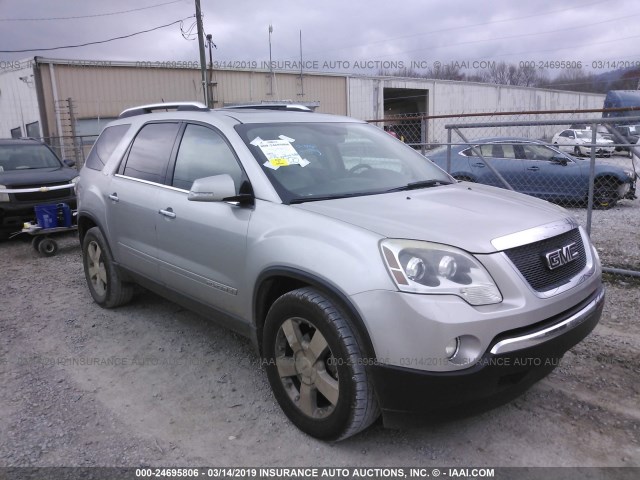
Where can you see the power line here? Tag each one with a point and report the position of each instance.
(87, 16)
(467, 26)
(94, 43)
(472, 42)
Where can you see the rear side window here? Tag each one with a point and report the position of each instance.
(105, 145)
(151, 151)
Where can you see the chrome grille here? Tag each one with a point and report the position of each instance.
(43, 196)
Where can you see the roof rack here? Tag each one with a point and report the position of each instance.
(178, 106)
(294, 107)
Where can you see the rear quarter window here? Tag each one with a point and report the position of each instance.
(105, 145)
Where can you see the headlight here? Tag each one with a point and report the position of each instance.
(630, 174)
(432, 268)
(4, 197)
(75, 180)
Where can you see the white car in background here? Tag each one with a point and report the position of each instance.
(579, 142)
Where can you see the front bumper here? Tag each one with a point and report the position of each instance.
(600, 150)
(514, 361)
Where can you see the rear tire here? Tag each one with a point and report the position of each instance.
(315, 366)
(103, 279)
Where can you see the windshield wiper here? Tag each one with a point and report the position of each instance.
(419, 184)
(327, 197)
(408, 186)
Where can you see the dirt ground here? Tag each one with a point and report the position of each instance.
(153, 384)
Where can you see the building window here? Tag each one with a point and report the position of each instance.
(16, 132)
(91, 126)
(33, 130)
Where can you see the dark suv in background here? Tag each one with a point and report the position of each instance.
(31, 174)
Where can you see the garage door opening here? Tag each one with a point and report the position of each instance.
(406, 102)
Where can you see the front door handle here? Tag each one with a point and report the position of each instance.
(167, 213)
(114, 197)
(479, 164)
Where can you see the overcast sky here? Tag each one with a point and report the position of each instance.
(400, 32)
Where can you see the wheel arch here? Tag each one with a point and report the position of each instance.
(86, 222)
(276, 281)
(608, 177)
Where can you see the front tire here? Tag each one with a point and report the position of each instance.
(103, 279)
(315, 366)
(605, 193)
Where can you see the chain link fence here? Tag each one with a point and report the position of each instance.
(588, 165)
(74, 148)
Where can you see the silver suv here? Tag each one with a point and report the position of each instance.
(368, 279)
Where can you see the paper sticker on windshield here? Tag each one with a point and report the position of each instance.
(279, 162)
(279, 153)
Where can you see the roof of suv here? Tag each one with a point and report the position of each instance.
(263, 113)
(248, 115)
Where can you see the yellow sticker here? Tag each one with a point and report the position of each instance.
(279, 162)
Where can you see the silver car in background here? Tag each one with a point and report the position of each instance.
(579, 142)
(369, 280)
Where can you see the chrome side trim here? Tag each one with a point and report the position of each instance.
(541, 336)
(533, 235)
(156, 184)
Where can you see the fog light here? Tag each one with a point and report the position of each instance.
(452, 348)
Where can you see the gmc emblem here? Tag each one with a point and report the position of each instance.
(562, 256)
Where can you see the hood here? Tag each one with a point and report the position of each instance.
(463, 215)
(37, 176)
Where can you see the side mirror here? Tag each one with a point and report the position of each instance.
(212, 189)
(559, 161)
(218, 188)
(69, 162)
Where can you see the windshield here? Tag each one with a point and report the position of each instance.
(317, 161)
(26, 156)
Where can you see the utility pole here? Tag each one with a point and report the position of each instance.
(203, 62)
(210, 83)
(270, 61)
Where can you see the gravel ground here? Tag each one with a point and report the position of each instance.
(153, 384)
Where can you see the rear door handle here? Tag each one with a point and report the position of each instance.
(535, 169)
(114, 197)
(167, 213)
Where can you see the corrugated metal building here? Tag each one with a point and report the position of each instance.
(70, 97)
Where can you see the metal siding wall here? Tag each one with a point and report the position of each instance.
(18, 100)
(362, 93)
(106, 91)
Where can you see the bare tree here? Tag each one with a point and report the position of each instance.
(503, 73)
(445, 72)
